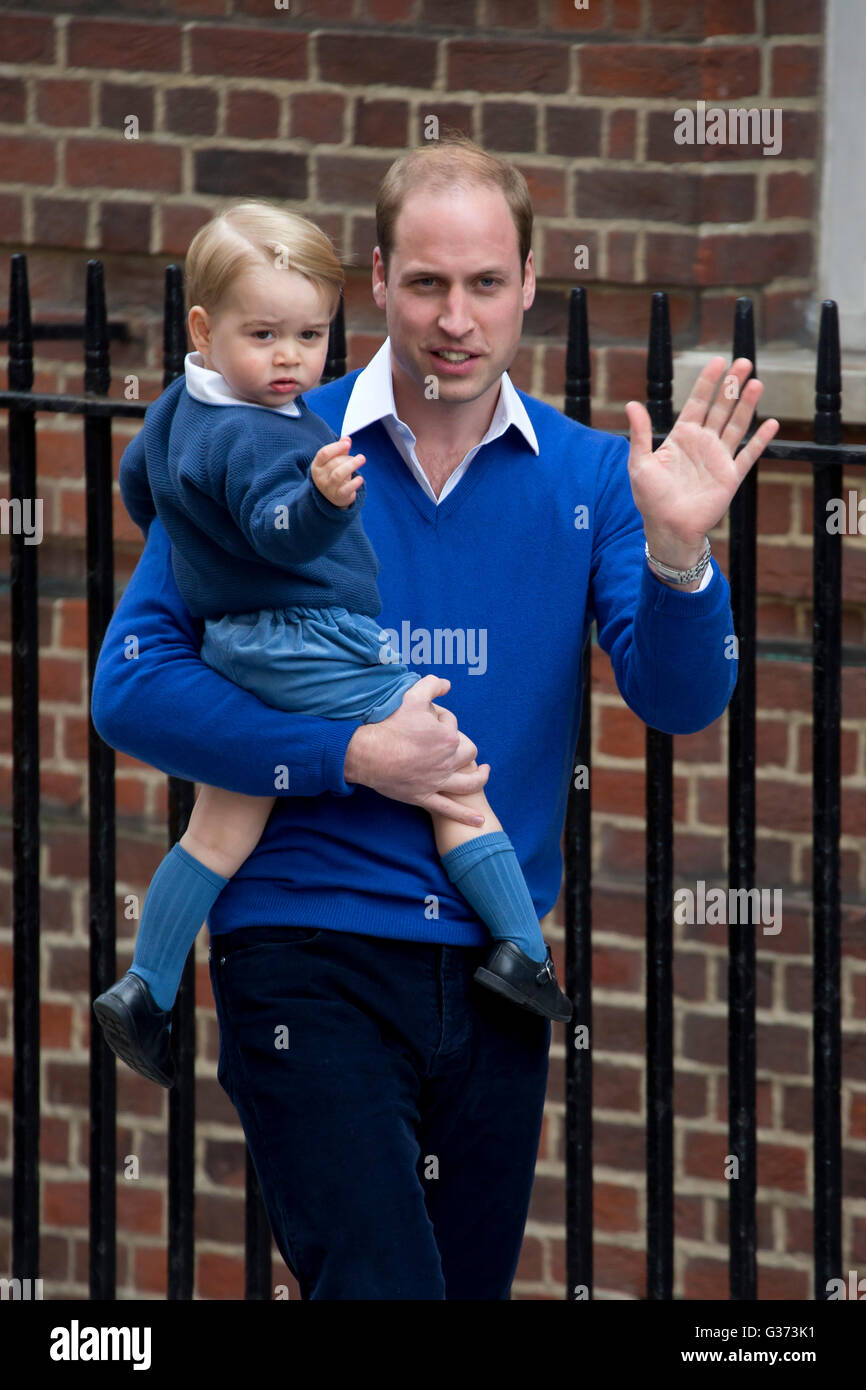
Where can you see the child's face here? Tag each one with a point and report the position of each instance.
(269, 338)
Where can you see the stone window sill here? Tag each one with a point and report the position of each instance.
(788, 375)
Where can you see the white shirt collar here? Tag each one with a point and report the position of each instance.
(212, 388)
(372, 399)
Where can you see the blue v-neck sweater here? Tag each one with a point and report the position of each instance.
(495, 588)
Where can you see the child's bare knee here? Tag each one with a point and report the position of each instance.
(224, 858)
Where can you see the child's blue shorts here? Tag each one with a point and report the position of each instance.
(324, 661)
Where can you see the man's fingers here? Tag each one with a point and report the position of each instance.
(428, 688)
(445, 716)
(757, 444)
(640, 428)
(466, 781)
(741, 418)
(469, 782)
(695, 409)
(464, 758)
(459, 784)
(729, 402)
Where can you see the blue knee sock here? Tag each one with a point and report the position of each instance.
(181, 893)
(489, 876)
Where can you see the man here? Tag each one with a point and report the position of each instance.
(392, 1107)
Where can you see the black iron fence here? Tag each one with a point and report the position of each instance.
(826, 456)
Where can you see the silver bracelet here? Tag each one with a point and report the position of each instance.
(679, 576)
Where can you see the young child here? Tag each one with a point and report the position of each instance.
(262, 505)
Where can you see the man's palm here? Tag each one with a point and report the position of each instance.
(686, 485)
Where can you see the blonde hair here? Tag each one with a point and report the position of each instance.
(250, 234)
(455, 161)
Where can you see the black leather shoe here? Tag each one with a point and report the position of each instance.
(511, 972)
(136, 1028)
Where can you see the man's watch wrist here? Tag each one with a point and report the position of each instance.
(671, 574)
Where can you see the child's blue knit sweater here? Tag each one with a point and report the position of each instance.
(248, 526)
(515, 562)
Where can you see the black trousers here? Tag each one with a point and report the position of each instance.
(391, 1104)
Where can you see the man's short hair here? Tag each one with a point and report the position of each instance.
(453, 161)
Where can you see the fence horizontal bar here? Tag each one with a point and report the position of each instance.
(73, 405)
(798, 649)
(68, 332)
(766, 648)
(819, 455)
(802, 451)
(780, 450)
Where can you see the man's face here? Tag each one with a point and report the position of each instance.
(269, 338)
(455, 284)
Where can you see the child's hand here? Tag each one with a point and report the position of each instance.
(332, 474)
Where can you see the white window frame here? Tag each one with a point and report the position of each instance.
(842, 237)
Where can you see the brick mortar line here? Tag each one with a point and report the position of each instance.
(549, 34)
(61, 43)
(110, 193)
(766, 1194)
(613, 820)
(784, 1138)
(284, 88)
(560, 222)
(159, 80)
(552, 35)
(689, 1247)
(571, 163)
(767, 1259)
(623, 1240)
(688, 1125)
(709, 952)
(765, 65)
(611, 762)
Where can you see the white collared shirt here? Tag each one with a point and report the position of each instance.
(372, 399)
(212, 388)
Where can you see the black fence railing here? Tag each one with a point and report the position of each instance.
(826, 456)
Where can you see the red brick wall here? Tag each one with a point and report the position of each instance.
(312, 106)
